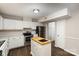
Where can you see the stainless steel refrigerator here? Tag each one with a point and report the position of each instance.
(40, 30)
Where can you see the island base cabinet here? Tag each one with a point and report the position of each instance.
(40, 50)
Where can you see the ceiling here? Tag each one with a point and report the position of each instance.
(26, 9)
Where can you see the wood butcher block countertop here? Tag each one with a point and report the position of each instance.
(37, 39)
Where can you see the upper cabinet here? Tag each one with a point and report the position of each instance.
(19, 25)
(26, 24)
(10, 24)
(34, 24)
(31, 25)
(1, 23)
(61, 14)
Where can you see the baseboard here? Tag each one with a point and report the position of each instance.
(68, 51)
(16, 48)
(72, 52)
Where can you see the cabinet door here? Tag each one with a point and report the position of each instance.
(34, 24)
(15, 42)
(20, 41)
(26, 24)
(1, 23)
(19, 25)
(5, 49)
(12, 42)
(34, 48)
(10, 24)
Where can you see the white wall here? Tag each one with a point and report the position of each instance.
(72, 32)
(71, 43)
(27, 19)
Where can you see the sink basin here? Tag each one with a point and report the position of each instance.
(43, 40)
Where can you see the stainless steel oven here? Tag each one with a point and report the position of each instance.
(27, 37)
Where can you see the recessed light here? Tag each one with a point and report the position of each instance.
(36, 10)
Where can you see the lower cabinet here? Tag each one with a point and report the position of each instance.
(5, 49)
(15, 42)
(40, 50)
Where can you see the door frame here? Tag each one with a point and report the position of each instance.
(60, 37)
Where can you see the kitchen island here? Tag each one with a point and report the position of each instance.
(40, 47)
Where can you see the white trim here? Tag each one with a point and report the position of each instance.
(71, 38)
(68, 51)
(71, 52)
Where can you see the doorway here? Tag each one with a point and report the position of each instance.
(51, 31)
(56, 33)
(60, 34)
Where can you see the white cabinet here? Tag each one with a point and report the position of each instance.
(9, 24)
(1, 23)
(15, 42)
(4, 47)
(31, 25)
(19, 25)
(20, 41)
(26, 24)
(40, 50)
(34, 24)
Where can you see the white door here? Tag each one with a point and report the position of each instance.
(60, 34)
(51, 31)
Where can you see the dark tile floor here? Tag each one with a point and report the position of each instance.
(25, 51)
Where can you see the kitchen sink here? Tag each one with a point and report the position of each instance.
(43, 40)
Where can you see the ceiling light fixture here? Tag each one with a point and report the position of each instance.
(36, 10)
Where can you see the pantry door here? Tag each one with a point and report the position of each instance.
(60, 34)
(51, 31)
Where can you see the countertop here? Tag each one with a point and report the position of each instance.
(36, 39)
